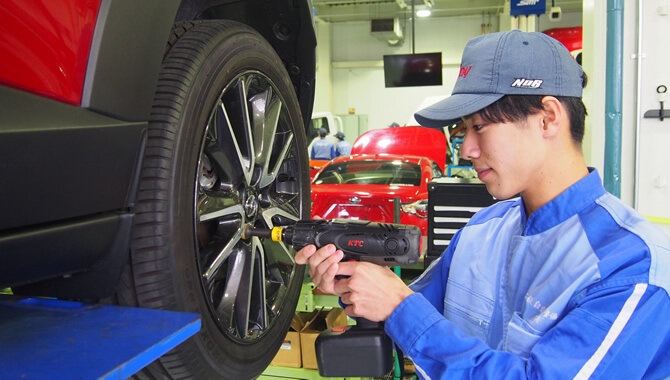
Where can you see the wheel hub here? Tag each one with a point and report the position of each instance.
(251, 207)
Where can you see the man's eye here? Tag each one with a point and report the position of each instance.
(477, 127)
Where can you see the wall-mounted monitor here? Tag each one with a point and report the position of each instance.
(404, 70)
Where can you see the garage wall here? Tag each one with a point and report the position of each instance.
(357, 69)
(358, 75)
(652, 171)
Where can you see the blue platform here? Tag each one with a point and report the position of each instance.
(49, 339)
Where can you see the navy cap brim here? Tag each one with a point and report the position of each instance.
(450, 110)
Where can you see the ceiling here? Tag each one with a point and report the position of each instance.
(363, 10)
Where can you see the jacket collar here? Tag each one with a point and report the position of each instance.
(570, 202)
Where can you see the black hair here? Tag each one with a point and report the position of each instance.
(512, 108)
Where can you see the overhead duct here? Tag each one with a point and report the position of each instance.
(387, 29)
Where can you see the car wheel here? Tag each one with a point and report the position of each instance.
(225, 148)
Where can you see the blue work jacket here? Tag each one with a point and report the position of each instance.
(577, 290)
(342, 148)
(322, 149)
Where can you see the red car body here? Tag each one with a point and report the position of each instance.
(385, 164)
(571, 37)
(47, 58)
(411, 141)
(315, 166)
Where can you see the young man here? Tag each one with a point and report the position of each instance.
(322, 149)
(564, 282)
(342, 148)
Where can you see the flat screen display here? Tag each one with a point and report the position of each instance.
(405, 70)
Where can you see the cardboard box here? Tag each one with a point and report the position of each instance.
(289, 354)
(320, 320)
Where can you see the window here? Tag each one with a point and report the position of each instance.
(396, 173)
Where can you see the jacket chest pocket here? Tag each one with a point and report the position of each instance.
(470, 311)
(520, 337)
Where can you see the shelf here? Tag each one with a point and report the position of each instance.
(296, 373)
(309, 301)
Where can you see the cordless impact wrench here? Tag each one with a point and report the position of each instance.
(363, 350)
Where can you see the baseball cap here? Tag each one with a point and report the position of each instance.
(339, 135)
(506, 63)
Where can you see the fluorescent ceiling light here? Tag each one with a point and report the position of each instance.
(423, 13)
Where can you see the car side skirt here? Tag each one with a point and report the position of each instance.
(61, 161)
(81, 258)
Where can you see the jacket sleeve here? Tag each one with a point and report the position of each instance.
(611, 332)
(431, 284)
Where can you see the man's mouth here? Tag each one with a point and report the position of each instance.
(481, 173)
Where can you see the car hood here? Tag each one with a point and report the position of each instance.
(365, 190)
(412, 141)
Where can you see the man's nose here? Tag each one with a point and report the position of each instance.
(470, 146)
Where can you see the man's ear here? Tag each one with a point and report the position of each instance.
(554, 116)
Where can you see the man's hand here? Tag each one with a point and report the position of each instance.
(371, 291)
(323, 265)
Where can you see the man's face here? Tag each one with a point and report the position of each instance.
(508, 157)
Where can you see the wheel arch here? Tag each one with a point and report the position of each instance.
(286, 24)
(130, 38)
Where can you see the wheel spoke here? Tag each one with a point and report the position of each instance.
(258, 313)
(266, 109)
(234, 304)
(220, 256)
(283, 254)
(271, 176)
(279, 266)
(222, 148)
(210, 207)
(243, 130)
(231, 149)
(265, 114)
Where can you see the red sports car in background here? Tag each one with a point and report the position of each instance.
(384, 165)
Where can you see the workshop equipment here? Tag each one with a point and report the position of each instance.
(379, 243)
(363, 350)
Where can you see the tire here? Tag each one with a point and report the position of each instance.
(225, 148)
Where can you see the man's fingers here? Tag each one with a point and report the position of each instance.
(324, 274)
(318, 258)
(341, 286)
(303, 255)
(349, 310)
(346, 268)
(322, 254)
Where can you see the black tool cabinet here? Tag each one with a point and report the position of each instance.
(451, 204)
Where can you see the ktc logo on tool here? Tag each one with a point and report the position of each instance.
(355, 243)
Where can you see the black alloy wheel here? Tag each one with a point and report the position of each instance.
(226, 148)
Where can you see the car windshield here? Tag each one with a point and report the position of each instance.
(371, 172)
